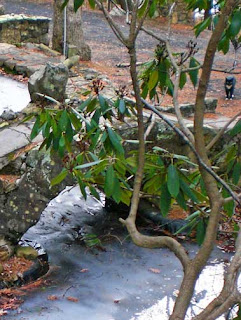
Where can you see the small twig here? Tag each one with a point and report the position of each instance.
(150, 126)
(221, 132)
(64, 294)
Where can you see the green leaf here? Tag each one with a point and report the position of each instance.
(62, 142)
(228, 206)
(87, 165)
(236, 129)
(94, 192)
(170, 87)
(103, 104)
(201, 230)
(115, 140)
(63, 121)
(142, 10)
(194, 73)
(183, 80)
(84, 104)
(153, 79)
(181, 201)
(75, 121)
(92, 4)
(36, 128)
(236, 173)
(122, 106)
(109, 181)
(64, 4)
(223, 44)
(153, 8)
(125, 196)
(144, 92)
(82, 187)
(165, 200)
(235, 24)
(202, 26)
(59, 178)
(116, 194)
(187, 190)
(77, 4)
(173, 183)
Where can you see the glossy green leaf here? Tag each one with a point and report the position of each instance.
(36, 128)
(109, 181)
(194, 73)
(116, 194)
(94, 192)
(183, 80)
(173, 183)
(82, 187)
(228, 206)
(153, 80)
(236, 129)
(236, 172)
(64, 4)
(202, 26)
(201, 231)
(165, 200)
(63, 121)
(125, 196)
(87, 165)
(235, 24)
(77, 4)
(181, 200)
(224, 44)
(188, 191)
(122, 106)
(84, 104)
(92, 4)
(115, 140)
(59, 178)
(153, 8)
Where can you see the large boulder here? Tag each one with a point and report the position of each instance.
(25, 191)
(50, 80)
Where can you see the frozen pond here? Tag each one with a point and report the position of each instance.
(14, 95)
(116, 283)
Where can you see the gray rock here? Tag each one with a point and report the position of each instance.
(23, 200)
(49, 80)
(8, 114)
(2, 11)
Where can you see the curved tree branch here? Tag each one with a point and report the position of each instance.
(221, 132)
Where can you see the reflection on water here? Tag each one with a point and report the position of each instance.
(208, 287)
(13, 94)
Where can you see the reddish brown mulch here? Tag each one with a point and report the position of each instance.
(14, 267)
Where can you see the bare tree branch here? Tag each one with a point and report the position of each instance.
(119, 34)
(229, 294)
(221, 132)
(156, 242)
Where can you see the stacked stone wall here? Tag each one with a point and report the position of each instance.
(16, 29)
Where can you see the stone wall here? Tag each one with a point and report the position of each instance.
(15, 29)
(180, 12)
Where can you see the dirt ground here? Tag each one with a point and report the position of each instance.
(106, 55)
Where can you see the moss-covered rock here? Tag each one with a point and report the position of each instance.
(28, 253)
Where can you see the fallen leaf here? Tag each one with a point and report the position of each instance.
(53, 297)
(73, 299)
(2, 312)
(116, 301)
(154, 270)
